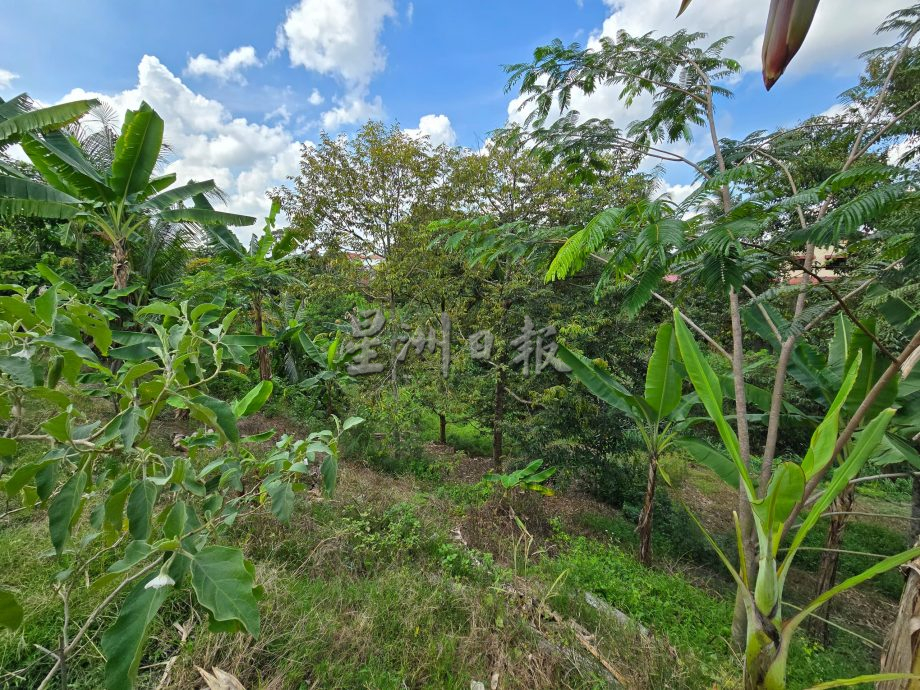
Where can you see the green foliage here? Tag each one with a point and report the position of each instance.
(530, 477)
(173, 507)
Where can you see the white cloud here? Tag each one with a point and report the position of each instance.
(352, 108)
(679, 192)
(244, 158)
(337, 37)
(228, 68)
(7, 78)
(437, 128)
(316, 98)
(410, 12)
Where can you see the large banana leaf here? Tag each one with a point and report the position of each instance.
(866, 443)
(62, 165)
(206, 217)
(709, 389)
(220, 234)
(136, 151)
(712, 458)
(662, 382)
(602, 384)
(824, 439)
(21, 197)
(171, 197)
(52, 117)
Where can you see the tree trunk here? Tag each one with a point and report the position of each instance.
(902, 647)
(498, 418)
(830, 561)
(645, 518)
(913, 529)
(120, 268)
(265, 362)
(442, 429)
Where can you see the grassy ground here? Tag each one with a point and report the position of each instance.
(401, 582)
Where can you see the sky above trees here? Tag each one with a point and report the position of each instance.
(242, 85)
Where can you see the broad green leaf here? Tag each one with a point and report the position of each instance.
(171, 197)
(351, 422)
(161, 309)
(311, 350)
(65, 342)
(65, 509)
(206, 218)
(123, 643)
(134, 554)
(140, 508)
(224, 586)
(825, 437)
(174, 525)
(46, 305)
(786, 488)
(222, 415)
(252, 402)
(130, 425)
(282, 496)
(866, 442)
(708, 388)
(19, 369)
(50, 117)
(662, 383)
(600, 383)
(330, 472)
(10, 610)
(136, 151)
(712, 458)
(28, 199)
(8, 446)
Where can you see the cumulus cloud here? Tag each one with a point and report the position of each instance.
(352, 108)
(316, 98)
(244, 158)
(337, 37)
(227, 68)
(7, 78)
(437, 128)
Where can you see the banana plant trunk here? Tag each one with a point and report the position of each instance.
(830, 561)
(902, 646)
(120, 270)
(644, 527)
(265, 362)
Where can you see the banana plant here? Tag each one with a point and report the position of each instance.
(331, 359)
(530, 477)
(115, 203)
(788, 23)
(660, 416)
(769, 632)
(260, 270)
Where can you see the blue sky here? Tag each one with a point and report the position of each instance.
(243, 84)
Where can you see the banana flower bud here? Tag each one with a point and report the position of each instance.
(787, 26)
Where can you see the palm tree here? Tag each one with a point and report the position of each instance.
(117, 203)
